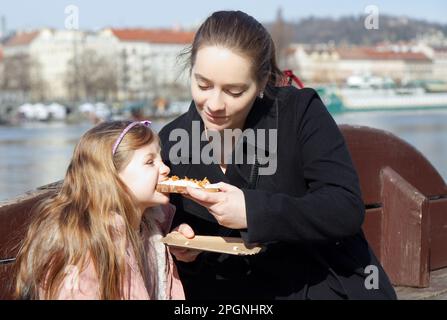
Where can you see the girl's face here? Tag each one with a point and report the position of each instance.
(222, 87)
(143, 173)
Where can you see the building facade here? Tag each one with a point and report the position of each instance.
(133, 64)
(335, 64)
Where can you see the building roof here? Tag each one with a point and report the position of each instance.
(154, 35)
(369, 53)
(22, 38)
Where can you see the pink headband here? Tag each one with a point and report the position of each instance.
(126, 130)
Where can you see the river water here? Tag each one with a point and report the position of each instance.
(35, 154)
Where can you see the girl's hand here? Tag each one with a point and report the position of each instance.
(227, 206)
(181, 254)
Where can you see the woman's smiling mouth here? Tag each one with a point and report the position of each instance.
(214, 118)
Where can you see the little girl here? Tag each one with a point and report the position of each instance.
(99, 236)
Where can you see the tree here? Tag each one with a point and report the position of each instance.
(282, 34)
(91, 77)
(23, 74)
(17, 73)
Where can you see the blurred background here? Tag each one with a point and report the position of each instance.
(67, 65)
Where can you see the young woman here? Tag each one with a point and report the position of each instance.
(98, 237)
(307, 213)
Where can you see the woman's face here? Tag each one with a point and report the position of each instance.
(222, 87)
(142, 174)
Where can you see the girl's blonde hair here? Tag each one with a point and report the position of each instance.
(77, 224)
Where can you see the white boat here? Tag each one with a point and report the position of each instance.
(373, 93)
(362, 99)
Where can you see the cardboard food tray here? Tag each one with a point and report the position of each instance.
(229, 245)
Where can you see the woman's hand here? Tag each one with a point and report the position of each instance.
(227, 206)
(185, 255)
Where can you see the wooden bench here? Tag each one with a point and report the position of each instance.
(406, 214)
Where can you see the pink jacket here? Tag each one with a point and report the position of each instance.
(85, 286)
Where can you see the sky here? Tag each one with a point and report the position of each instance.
(97, 14)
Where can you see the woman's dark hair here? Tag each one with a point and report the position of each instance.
(238, 31)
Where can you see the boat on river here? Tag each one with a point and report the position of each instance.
(364, 95)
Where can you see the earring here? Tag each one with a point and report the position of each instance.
(261, 94)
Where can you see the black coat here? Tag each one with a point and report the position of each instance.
(308, 214)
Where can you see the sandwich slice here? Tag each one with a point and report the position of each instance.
(176, 185)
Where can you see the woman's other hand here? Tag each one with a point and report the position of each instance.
(181, 254)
